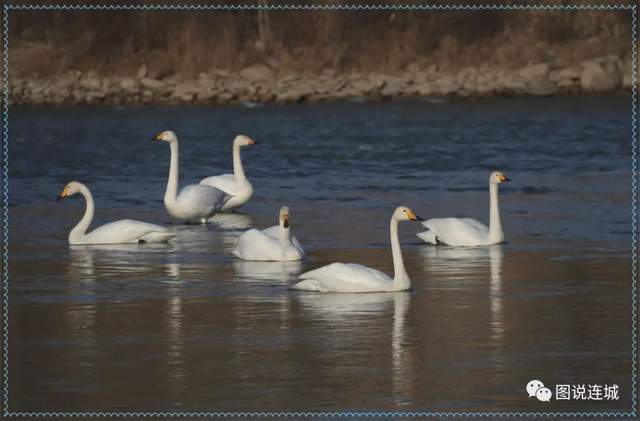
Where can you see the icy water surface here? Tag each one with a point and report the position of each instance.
(186, 326)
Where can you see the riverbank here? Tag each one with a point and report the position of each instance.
(259, 83)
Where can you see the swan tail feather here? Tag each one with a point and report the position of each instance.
(309, 285)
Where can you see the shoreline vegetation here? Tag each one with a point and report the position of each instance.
(179, 58)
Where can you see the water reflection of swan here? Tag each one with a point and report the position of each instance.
(340, 309)
(222, 233)
(80, 316)
(461, 263)
(401, 358)
(108, 260)
(231, 221)
(336, 306)
(174, 323)
(495, 292)
(267, 271)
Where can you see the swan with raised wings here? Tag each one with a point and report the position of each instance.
(125, 231)
(352, 277)
(467, 231)
(272, 244)
(235, 185)
(195, 203)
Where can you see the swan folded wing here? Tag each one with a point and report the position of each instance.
(458, 231)
(255, 245)
(428, 236)
(273, 233)
(225, 182)
(344, 277)
(205, 200)
(127, 231)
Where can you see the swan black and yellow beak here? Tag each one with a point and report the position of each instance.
(503, 178)
(63, 195)
(413, 217)
(252, 142)
(285, 221)
(156, 137)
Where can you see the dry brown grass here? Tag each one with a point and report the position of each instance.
(169, 42)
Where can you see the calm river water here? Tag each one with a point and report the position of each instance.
(186, 326)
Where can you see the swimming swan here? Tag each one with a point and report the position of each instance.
(351, 277)
(195, 203)
(467, 231)
(235, 185)
(118, 232)
(272, 244)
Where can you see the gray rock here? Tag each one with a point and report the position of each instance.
(207, 95)
(367, 85)
(152, 84)
(142, 71)
(513, 85)
(533, 71)
(597, 77)
(541, 87)
(91, 82)
(257, 72)
(423, 89)
(186, 90)
(295, 93)
(445, 85)
(128, 85)
(393, 87)
(564, 74)
(226, 97)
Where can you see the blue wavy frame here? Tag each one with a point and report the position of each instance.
(633, 413)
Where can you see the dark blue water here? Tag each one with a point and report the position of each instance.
(187, 326)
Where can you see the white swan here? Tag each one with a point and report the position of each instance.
(195, 203)
(272, 244)
(467, 231)
(351, 277)
(118, 232)
(235, 185)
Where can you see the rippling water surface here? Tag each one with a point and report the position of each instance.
(186, 326)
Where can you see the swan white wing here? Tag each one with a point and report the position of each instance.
(344, 277)
(127, 231)
(273, 232)
(482, 228)
(225, 182)
(201, 201)
(256, 245)
(458, 232)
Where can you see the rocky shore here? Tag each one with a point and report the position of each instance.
(259, 83)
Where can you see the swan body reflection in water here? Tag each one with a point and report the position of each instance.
(231, 221)
(267, 271)
(461, 263)
(348, 312)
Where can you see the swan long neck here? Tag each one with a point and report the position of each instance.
(172, 184)
(495, 226)
(401, 279)
(79, 231)
(284, 234)
(238, 170)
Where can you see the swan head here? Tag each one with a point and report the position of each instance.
(403, 213)
(242, 140)
(69, 190)
(498, 177)
(284, 216)
(166, 136)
